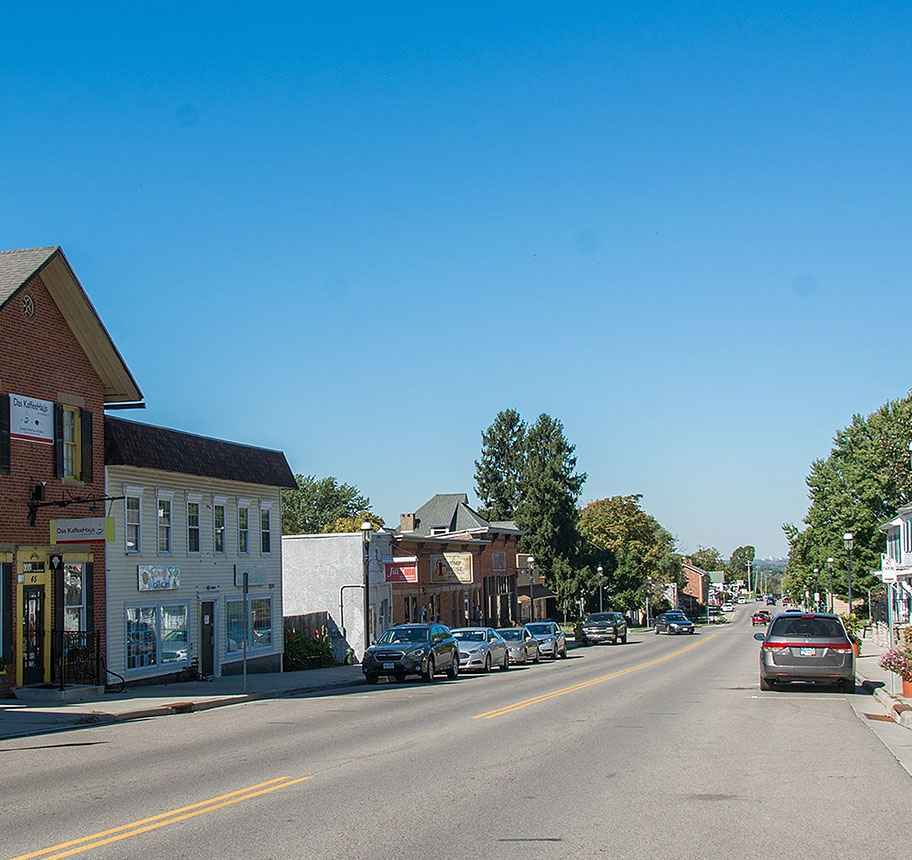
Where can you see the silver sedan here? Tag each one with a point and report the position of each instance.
(480, 648)
(521, 644)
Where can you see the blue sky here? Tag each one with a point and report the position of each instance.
(357, 233)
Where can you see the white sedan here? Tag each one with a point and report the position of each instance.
(728, 606)
(480, 648)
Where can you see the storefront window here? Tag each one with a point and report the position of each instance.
(74, 597)
(157, 635)
(174, 641)
(259, 624)
(141, 637)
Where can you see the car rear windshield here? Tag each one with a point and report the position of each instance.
(815, 628)
(404, 635)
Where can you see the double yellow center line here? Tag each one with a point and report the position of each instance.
(135, 828)
(535, 700)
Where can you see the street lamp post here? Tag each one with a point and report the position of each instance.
(816, 590)
(366, 531)
(601, 589)
(830, 572)
(531, 587)
(849, 540)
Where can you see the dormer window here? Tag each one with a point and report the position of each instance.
(438, 530)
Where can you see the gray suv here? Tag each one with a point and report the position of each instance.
(604, 627)
(811, 647)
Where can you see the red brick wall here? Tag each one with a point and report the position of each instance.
(40, 357)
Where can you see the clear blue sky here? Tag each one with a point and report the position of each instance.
(356, 235)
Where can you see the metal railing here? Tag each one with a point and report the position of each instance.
(76, 657)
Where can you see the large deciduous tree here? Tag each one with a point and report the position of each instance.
(499, 470)
(741, 561)
(859, 486)
(633, 547)
(708, 558)
(318, 502)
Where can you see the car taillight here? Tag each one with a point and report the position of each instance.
(840, 646)
(775, 646)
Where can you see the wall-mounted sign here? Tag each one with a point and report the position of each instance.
(31, 420)
(84, 530)
(155, 577)
(401, 571)
(451, 567)
(33, 567)
(256, 575)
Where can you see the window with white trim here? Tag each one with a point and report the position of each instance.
(74, 596)
(133, 519)
(164, 522)
(258, 624)
(219, 506)
(157, 635)
(907, 535)
(265, 528)
(243, 526)
(193, 524)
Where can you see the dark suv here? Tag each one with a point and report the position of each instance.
(604, 627)
(412, 649)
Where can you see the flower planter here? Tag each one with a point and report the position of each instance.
(906, 689)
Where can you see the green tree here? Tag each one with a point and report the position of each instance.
(549, 489)
(632, 546)
(708, 558)
(741, 561)
(317, 503)
(499, 471)
(353, 524)
(859, 486)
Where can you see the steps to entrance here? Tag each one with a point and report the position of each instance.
(53, 693)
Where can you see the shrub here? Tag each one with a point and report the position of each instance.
(307, 652)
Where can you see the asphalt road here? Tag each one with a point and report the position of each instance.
(661, 748)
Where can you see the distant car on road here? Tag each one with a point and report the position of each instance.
(603, 627)
(412, 649)
(770, 600)
(551, 639)
(673, 621)
(522, 646)
(480, 648)
(811, 647)
(728, 606)
(761, 616)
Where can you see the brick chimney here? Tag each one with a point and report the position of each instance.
(406, 522)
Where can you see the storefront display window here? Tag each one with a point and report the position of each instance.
(74, 596)
(259, 624)
(157, 635)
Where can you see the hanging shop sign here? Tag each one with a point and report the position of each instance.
(83, 530)
(451, 567)
(31, 420)
(155, 577)
(401, 570)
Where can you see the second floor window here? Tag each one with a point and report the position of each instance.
(134, 526)
(164, 525)
(218, 525)
(71, 443)
(193, 526)
(265, 533)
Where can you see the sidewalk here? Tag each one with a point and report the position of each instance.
(20, 718)
(886, 686)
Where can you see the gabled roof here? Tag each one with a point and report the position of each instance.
(17, 268)
(128, 443)
(448, 511)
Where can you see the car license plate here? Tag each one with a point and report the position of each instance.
(387, 665)
(807, 652)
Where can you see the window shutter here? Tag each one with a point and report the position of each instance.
(85, 418)
(88, 585)
(58, 439)
(4, 434)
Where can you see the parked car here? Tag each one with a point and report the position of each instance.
(603, 627)
(809, 647)
(522, 646)
(551, 640)
(412, 649)
(673, 621)
(728, 606)
(761, 616)
(480, 648)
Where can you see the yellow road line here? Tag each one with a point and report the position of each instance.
(135, 828)
(518, 706)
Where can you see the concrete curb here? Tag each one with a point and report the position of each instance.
(897, 707)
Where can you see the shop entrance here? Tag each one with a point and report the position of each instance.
(33, 656)
(207, 638)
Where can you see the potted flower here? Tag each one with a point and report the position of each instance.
(899, 660)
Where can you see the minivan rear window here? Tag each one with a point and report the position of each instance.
(815, 628)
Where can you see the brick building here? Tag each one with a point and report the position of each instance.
(60, 371)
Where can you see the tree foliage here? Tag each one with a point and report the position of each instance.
(353, 524)
(318, 503)
(708, 558)
(859, 486)
(499, 471)
(631, 545)
(550, 487)
(741, 561)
